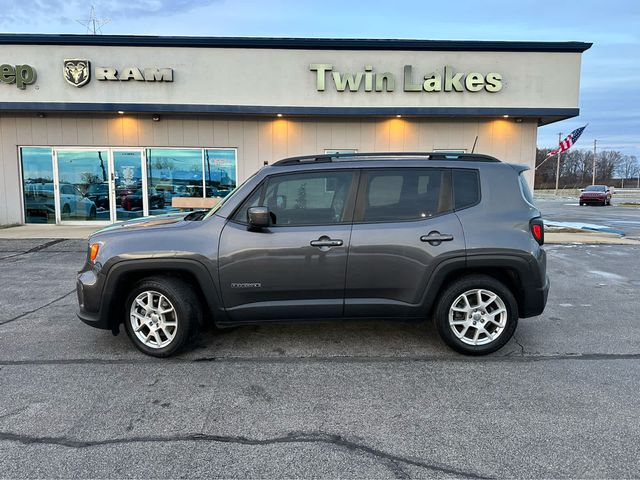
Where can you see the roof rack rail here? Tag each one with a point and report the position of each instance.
(345, 157)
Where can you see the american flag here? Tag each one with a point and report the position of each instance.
(568, 142)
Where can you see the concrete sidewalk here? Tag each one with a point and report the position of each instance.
(26, 232)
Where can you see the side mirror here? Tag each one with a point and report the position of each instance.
(258, 217)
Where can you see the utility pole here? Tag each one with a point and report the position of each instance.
(558, 163)
(593, 182)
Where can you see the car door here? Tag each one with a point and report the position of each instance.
(295, 268)
(404, 225)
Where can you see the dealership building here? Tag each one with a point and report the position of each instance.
(105, 128)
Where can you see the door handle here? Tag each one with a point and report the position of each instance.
(325, 242)
(435, 238)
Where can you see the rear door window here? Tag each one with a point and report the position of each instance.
(388, 195)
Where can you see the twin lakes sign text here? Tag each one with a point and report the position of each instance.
(446, 79)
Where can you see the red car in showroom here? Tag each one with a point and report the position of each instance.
(595, 195)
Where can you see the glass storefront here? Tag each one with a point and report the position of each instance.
(83, 185)
(63, 184)
(37, 185)
(173, 172)
(129, 184)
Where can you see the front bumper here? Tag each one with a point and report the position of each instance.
(593, 200)
(89, 286)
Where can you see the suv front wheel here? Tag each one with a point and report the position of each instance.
(162, 315)
(476, 315)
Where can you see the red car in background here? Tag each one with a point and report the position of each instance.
(596, 195)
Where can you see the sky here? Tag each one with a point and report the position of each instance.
(610, 82)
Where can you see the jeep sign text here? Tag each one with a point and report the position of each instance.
(21, 75)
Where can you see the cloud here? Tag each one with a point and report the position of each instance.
(30, 13)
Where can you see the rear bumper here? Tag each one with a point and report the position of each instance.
(535, 300)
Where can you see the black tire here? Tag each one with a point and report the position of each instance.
(187, 309)
(581, 204)
(457, 288)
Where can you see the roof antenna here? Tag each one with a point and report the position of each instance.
(474, 144)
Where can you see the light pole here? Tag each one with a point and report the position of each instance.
(593, 182)
(558, 163)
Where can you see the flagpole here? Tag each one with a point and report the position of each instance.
(593, 182)
(558, 163)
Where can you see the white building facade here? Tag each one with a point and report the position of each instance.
(107, 128)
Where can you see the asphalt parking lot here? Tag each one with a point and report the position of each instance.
(615, 216)
(374, 400)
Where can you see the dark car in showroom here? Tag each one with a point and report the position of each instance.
(98, 193)
(130, 198)
(595, 195)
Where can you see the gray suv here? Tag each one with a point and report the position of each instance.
(407, 236)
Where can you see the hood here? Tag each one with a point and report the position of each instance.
(168, 220)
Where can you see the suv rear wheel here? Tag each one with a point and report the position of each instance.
(476, 315)
(162, 315)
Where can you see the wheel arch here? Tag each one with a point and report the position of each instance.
(122, 276)
(510, 269)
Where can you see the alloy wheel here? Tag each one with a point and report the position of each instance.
(154, 319)
(478, 316)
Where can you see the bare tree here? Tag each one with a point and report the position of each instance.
(576, 168)
(628, 168)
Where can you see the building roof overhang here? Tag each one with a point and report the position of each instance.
(293, 43)
(543, 116)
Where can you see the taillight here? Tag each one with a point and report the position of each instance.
(537, 230)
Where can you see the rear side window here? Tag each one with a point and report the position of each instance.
(403, 194)
(466, 188)
(524, 188)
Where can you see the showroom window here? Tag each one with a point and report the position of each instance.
(172, 172)
(37, 178)
(102, 184)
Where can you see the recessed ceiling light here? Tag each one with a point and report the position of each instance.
(505, 116)
(120, 112)
(398, 116)
(279, 115)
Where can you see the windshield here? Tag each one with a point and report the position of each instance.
(218, 205)
(595, 188)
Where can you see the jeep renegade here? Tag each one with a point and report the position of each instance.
(407, 236)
